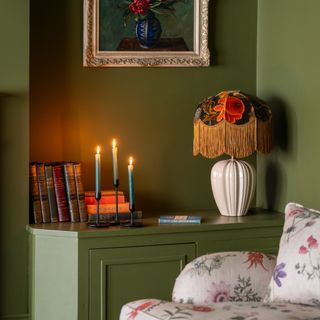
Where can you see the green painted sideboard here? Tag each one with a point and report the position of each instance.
(79, 273)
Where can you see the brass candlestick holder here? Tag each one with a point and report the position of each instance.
(98, 223)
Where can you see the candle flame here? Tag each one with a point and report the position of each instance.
(130, 161)
(114, 143)
(98, 149)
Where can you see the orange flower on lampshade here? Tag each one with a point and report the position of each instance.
(234, 123)
(230, 108)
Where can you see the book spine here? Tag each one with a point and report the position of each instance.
(169, 220)
(80, 193)
(108, 208)
(51, 194)
(111, 216)
(59, 187)
(103, 193)
(71, 192)
(105, 200)
(35, 195)
(43, 193)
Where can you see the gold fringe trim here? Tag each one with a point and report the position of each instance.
(235, 140)
(264, 136)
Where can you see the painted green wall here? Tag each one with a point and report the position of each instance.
(288, 71)
(149, 110)
(14, 142)
(72, 109)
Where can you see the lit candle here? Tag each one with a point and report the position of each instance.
(115, 162)
(131, 187)
(98, 170)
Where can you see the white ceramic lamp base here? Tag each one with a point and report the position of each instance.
(233, 183)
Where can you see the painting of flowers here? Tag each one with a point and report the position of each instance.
(146, 33)
(125, 24)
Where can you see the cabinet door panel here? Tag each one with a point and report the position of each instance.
(119, 275)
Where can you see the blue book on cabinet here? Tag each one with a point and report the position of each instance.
(179, 219)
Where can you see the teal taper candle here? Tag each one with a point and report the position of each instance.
(131, 186)
(98, 171)
(115, 162)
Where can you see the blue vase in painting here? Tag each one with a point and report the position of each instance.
(148, 31)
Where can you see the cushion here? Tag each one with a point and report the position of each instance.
(226, 276)
(152, 309)
(296, 277)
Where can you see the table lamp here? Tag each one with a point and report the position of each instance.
(236, 124)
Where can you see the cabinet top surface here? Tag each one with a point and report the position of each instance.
(211, 220)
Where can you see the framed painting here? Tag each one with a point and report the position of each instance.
(124, 33)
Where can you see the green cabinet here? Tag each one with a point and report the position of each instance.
(78, 273)
(123, 274)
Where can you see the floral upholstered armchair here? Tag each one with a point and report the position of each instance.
(248, 285)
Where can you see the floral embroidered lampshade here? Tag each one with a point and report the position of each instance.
(234, 123)
(237, 124)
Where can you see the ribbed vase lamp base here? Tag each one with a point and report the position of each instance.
(233, 183)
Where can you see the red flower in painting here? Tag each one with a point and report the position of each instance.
(230, 108)
(139, 6)
(255, 258)
(141, 307)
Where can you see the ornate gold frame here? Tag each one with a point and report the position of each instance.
(93, 57)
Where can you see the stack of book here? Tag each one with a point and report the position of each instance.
(107, 206)
(57, 193)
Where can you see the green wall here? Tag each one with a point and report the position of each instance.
(288, 71)
(149, 110)
(14, 140)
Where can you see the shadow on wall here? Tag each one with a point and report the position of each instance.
(13, 197)
(274, 174)
(212, 21)
(14, 150)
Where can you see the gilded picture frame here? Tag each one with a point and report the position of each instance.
(183, 41)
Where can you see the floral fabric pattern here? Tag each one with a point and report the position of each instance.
(278, 273)
(222, 277)
(220, 292)
(296, 277)
(163, 310)
(232, 106)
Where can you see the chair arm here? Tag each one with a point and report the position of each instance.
(224, 276)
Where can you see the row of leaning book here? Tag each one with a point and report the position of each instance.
(57, 193)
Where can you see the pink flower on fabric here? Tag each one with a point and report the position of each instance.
(219, 293)
(141, 307)
(294, 212)
(202, 308)
(312, 242)
(303, 250)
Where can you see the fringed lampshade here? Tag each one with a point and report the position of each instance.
(236, 124)
(232, 123)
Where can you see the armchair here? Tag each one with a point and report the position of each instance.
(248, 285)
(221, 286)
